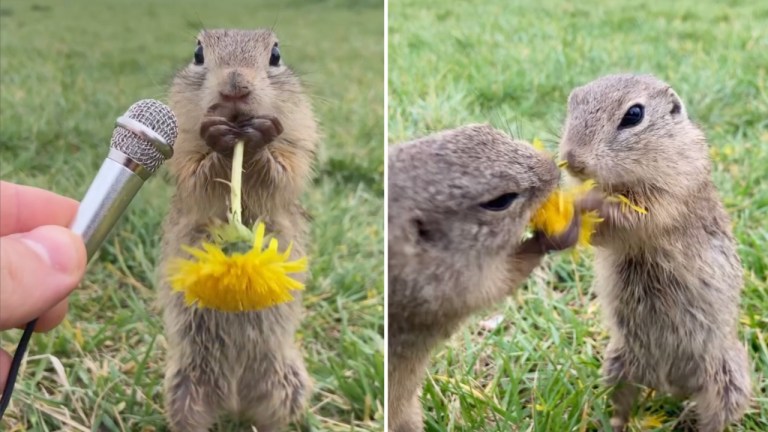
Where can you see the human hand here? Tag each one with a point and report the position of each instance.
(41, 261)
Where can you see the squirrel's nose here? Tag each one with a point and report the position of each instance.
(574, 165)
(235, 89)
(235, 94)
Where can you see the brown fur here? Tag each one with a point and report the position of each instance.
(669, 282)
(448, 257)
(243, 364)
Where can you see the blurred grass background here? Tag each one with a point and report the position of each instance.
(67, 71)
(513, 63)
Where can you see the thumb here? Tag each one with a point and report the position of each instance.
(37, 270)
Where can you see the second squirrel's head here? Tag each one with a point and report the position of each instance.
(465, 192)
(627, 131)
(240, 73)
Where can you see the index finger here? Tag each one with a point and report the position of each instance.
(23, 208)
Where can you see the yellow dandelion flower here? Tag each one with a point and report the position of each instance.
(652, 421)
(235, 272)
(237, 282)
(557, 212)
(626, 203)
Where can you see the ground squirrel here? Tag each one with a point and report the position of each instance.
(669, 281)
(459, 202)
(243, 364)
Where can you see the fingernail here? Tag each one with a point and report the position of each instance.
(38, 248)
(54, 247)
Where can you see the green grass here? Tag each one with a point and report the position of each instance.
(513, 63)
(68, 69)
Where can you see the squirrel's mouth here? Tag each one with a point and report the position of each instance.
(579, 172)
(231, 111)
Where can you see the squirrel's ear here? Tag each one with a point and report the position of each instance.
(423, 232)
(415, 229)
(676, 106)
(419, 230)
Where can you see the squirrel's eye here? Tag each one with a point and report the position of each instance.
(500, 203)
(274, 59)
(632, 117)
(199, 58)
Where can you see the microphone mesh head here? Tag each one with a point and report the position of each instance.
(156, 116)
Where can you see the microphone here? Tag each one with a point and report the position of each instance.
(142, 140)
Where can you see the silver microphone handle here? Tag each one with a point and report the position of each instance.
(110, 192)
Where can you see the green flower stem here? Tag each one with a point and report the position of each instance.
(236, 210)
(234, 237)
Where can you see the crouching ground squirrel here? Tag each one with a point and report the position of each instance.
(244, 364)
(459, 202)
(669, 281)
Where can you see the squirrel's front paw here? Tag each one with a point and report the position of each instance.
(541, 243)
(222, 128)
(608, 210)
(219, 134)
(259, 131)
(594, 200)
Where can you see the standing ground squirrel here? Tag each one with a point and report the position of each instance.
(244, 364)
(459, 203)
(669, 281)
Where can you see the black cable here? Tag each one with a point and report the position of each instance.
(15, 365)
